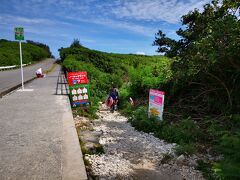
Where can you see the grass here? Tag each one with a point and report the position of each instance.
(186, 149)
(194, 124)
(99, 149)
(206, 169)
(166, 158)
(89, 112)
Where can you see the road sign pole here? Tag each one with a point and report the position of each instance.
(19, 35)
(20, 47)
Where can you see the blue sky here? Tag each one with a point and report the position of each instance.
(120, 26)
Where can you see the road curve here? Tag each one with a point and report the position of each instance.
(12, 78)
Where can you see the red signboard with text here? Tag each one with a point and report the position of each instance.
(77, 78)
(79, 89)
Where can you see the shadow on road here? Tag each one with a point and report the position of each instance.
(62, 85)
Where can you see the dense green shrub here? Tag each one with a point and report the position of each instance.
(154, 74)
(206, 64)
(207, 171)
(141, 122)
(186, 133)
(9, 53)
(197, 113)
(206, 78)
(186, 149)
(121, 70)
(224, 138)
(229, 167)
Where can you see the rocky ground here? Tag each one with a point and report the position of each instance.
(130, 154)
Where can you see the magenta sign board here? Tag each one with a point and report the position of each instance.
(156, 103)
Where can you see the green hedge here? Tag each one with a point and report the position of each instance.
(138, 71)
(132, 74)
(9, 53)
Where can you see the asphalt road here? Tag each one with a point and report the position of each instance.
(12, 78)
(38, 139)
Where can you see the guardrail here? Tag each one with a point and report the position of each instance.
(7, 67)
(3, 68)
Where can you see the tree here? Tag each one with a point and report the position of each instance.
(44, 46)
(76, 43)
(208, 52)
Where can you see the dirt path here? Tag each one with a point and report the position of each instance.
(130, 154)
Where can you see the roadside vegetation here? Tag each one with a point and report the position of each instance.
(31, 52)
(204, 92)
(126, 71)
(200, 74)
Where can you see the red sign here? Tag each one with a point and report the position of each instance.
(77, 78)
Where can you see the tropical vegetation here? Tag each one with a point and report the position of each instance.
(31, 52)
(200, 74)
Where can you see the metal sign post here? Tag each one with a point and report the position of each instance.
(20, 47)
(19, 35)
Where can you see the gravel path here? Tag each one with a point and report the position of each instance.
(130, 154)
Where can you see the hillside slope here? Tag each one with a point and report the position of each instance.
(189, 119)
(9, 52)
(134, 73)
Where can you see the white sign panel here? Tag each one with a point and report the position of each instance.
(156, 103)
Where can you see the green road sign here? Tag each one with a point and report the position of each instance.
(19, 33)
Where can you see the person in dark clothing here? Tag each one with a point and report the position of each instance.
(115, 95)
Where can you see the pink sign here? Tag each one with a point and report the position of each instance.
(156, 103)
(158, 100)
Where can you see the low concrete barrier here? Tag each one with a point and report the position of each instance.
(2, 68)
(7, 67)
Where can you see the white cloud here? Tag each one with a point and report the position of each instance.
(31, 20)
(18, 20)
(156, 10)
(120, 24)
(147, 31)
(140, 53)
(117, 14)
(37, 26)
